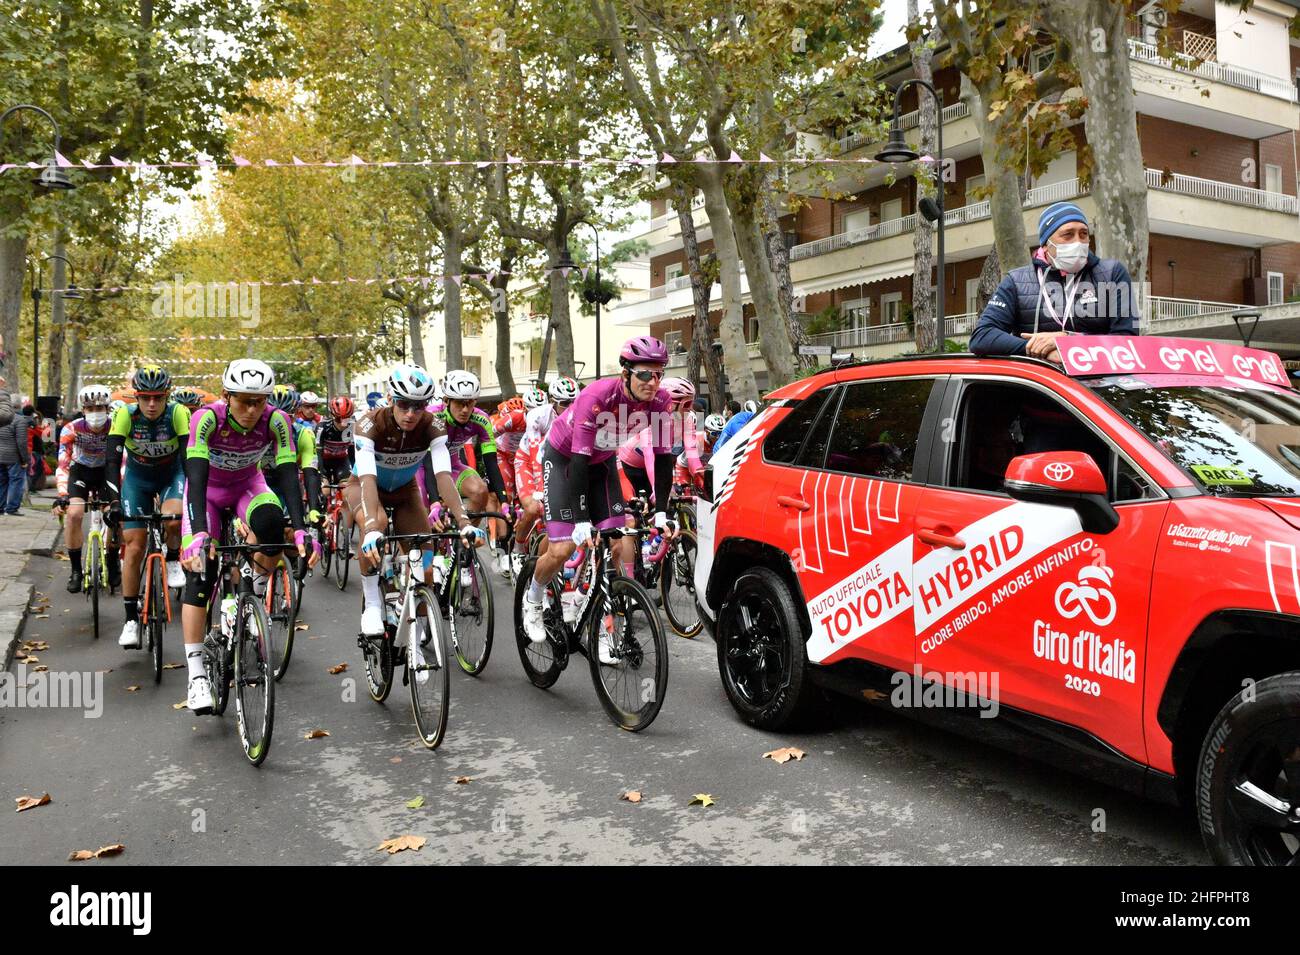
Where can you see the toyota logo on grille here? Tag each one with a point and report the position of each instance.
(1060, 473)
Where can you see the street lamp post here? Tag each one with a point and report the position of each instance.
(897, 151)
(51, 177)
(71, 292)
(597, 295)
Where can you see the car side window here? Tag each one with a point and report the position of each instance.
(783, 444)
(877, 428)
(998, 421)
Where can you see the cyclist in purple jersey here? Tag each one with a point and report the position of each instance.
(467, 425)
(223, 479)
(582, 489)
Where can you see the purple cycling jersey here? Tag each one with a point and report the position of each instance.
(232, 452)
(604, 418)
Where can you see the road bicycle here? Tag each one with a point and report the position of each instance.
(95, 554)
(668, 566)
(413, 635)
(155, 596)
(592, 602)
(336, 536)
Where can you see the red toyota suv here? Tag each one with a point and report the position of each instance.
(1096, 565)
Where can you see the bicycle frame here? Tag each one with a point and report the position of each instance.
(154, 551)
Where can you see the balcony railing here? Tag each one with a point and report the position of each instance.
(1238, 76)
(958, 326)
(1221, 191)
(856, 140)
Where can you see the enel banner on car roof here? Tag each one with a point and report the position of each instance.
(1139, 354)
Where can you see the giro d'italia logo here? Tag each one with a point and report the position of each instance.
(1058, 473)
(1090, 595)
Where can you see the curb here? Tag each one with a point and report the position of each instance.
(17, 619)
(14, 619)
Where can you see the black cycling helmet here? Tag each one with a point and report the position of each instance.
(151, 379)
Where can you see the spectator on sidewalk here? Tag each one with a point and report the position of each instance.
(13, 463)
(6, 405)
(1066, 289)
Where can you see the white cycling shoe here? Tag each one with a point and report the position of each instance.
(534, 625)
(517, 563)
(200, 695)
(606, 648)
(130, 638)
(372, 622)
(175, 574)
(504, 565)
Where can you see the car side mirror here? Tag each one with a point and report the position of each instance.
(1063, 479)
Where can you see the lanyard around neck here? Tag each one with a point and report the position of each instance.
(1071, 289)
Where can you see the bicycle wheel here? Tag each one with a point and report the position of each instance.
(378, 656)
(326, 551)
(473, 618)
(96, 572)
(542, 661)
(254, 679)
(677, 586)
(279, 598)
(631, 689)
(155, 612)
(430, 678)
(342, 551)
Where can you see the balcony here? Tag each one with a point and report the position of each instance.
(1214, 71)
(865, 137)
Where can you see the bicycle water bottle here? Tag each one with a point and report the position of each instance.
(439, 569)
(228, 605)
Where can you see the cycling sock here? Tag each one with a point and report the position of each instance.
(370, 588)
(629, 570)
(173, 554)
(132, 611)
(194, 657)
(74, 557)
(536, 590)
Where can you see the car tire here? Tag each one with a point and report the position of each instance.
(1254, 743)
(761, 654)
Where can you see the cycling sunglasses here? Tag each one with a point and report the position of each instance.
(410, 406)
(645, 375)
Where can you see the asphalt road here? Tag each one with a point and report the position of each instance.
(546, 769)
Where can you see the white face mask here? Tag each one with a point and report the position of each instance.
(1070, 257)
(97, 419)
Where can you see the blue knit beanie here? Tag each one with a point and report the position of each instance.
(1057, 215)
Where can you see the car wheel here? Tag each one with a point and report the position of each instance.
(761, 654)
(1248, 776)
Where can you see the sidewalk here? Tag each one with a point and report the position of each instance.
(33, 532)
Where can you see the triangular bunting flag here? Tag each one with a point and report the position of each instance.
(735, 157)
(61, 160)
(240, 160)
(665, 158)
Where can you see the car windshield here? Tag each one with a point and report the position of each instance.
(1231, 439)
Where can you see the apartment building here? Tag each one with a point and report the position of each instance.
(1217, 123)
(527, 335)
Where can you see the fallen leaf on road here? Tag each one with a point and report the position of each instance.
(462, 780)
(109, 670)
(40, 669)
(81, 855)
(338, 669)
(392, 846)
(396, 759)
(67, 610)
(133, 689)
(42, 616)
(173, 666)
(873, 694)
(60, 556)
(316, 734)
(416, 803)
(31, 802)
(314, 636)
(785, 754)
(183, 704)
(301, 626)
(701, 799)
(631, 796)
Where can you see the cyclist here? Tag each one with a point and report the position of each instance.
(510, 422)
(334, 441)
(222, 479)
(582, 489)
(528, 462)
(714, 425)
(187, 397)
(308, 413)
(82, 445)
(151, 431)
(391, 445)
(637, 459)
(466, 425)
(736, 422)
(286, 399)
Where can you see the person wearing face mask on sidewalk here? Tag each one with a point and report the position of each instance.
(1064, 290)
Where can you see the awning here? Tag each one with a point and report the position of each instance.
(860, 276)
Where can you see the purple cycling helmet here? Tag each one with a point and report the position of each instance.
(644, 350)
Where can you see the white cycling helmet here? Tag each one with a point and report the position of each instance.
(93, 395)
(382, 401)
(564, 389)
(410, 383)
(461, 385)
(750, 406)
(714, 423)
(534, 398)
(248, 376)
(309, 398)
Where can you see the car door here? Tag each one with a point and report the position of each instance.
(1017, 595)
(845, 507)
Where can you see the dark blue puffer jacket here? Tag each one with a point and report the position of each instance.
(1105, 304)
